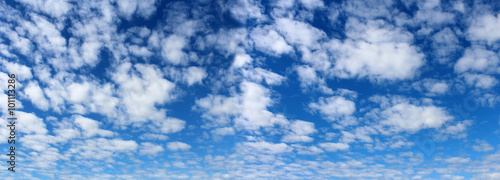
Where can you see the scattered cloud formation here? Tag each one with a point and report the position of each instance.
(248, 89)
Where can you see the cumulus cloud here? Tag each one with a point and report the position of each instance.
(412, 118)
(482, 146)
(178, 146)
(477, 59)
(148, 148)
(36, 96)
(137, 83)
(243, 10)
(248, 109)
(194, 75)
(483, 28)
(269, 41)
(90, 127)
(334, 108)
(268, 148)
(333, 147)
(376, 50)
(172, 49)
(299, 131)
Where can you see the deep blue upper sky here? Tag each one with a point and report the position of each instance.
(285, 89)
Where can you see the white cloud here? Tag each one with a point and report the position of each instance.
(412, 118)
(127, 7)
(269, 41)
(176, 146)
(29, 123)
(90, 127)
(457, 160)
(312, 4)
(299, 33)
(136, 91)
(480, 80)
(22, 72)
(299, 131)
(432, 87)
(248, 109)
(194, 75)
(376, 50)
(307, 150)
(445, 44)
(241, 60)
(151, 136)
(334, 108)
(333, 147)
(36, 96)
(146, 8)
(55, 8)
(482, 146)
(485, 28)
(268, 148)
(78, 92)
(259, 74)
(309, 78)
(147, 148)
(225, 131)
(170, 125)
(172, 49)
(101, 148)
(242, 10)
(477, 59)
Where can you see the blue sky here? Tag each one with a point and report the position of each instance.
(283, 89)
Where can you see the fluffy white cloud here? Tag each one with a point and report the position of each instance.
(334, 108)
(151, 149)
(55, 8)
(376, 50)
(309, 78)
(241, 60)
(455, 160)
(137, 85)
(333, 147)
(22, 72)
(151, 136)
(485, 28)
(242, 10)
(170, 125)
(30, 124)
(248, 109)
(177, 146)
(299, 131)
(90, 127)
(78, 92)
(412, 118)
(482, 146)
(127, 7)
(432, 87)
(480, 80)
(268, 148)
(307, 150)
(477, 59)
(172, 49)
(259, 74)
(36, 96)
(146, 8)
(101, 148)
(194, 75)
(225, 131)
(445, 44)
(312, 4)
(269, 41)
(298, 32)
